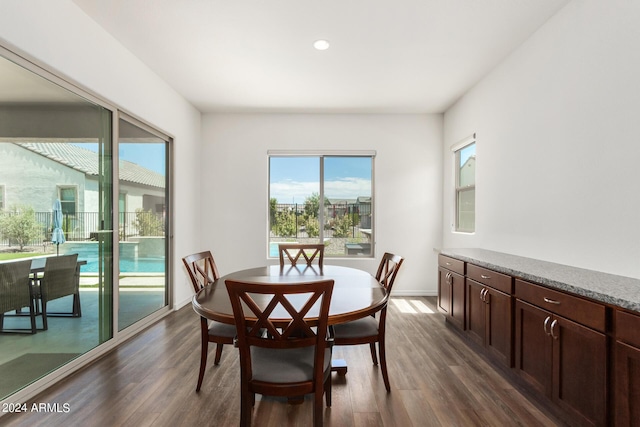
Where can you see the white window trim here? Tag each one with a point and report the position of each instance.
(322, 154)
(471, 139)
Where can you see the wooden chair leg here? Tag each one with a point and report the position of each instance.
(383, 364)
(327, 391)
(218, 353)
(372, 347)
(318, 409)
(246, 407)
(203, 360)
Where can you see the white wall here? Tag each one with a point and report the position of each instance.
(60, 36)
(557, 143)
(408, 182)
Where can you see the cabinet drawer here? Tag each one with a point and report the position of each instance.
(496, 280)
(572, 307)
(628, 328)
(452, 264)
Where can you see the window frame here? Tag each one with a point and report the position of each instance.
(459, 189)
(321, 156)
(2, 198)
(63, 202)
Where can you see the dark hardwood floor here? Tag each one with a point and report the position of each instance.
(150, 380)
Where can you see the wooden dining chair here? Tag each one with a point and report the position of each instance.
(16, 292)
(295, 251)
(202, 270)
(61, 278)
(371, 330)
(282, 358)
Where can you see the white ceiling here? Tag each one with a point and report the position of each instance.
(397, 56)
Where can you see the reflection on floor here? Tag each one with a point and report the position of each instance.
(68, 337)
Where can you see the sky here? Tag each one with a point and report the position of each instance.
(148, 155)
(293, 179)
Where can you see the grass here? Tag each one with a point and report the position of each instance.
(17, 255)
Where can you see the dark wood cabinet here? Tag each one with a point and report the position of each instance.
(562, 359)
(573, 347)
(489, 312)
(451, 292)
(627, 369)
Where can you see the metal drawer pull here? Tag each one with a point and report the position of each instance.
(546, 324)
(551, 301)
(485, 277)
(553, 325)
(448, 263)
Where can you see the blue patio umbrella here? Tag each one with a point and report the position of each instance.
(57, 236)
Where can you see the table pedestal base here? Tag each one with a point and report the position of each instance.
(339, 366)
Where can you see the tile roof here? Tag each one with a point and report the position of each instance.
(86, 161)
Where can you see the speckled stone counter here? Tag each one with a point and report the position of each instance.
(608, 288)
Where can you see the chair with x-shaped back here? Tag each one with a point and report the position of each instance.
(370, 330)
(282, 338)
(295, 252)
(202, 270)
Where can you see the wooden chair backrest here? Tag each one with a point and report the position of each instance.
(295, 251)
(60, 277)
(14, 285)
(388, 270)
(253, 305)
(202, 269)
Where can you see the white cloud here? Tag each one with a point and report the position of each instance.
(297, 192)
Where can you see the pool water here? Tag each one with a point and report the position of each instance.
(139, 265)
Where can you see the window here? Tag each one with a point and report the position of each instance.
(68, 200)
(465, 161)
(343, 220)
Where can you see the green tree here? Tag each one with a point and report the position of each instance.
(312, 205)
(19, 225)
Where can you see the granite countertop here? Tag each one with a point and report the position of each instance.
(608, 288)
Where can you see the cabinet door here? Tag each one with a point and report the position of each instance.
(579, 370)
(499, 328)
(627, 385)
(444, 291)
(533, 347)
(457, 300)
(476, 312)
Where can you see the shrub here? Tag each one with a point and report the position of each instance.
(148, 223)
(342, 226)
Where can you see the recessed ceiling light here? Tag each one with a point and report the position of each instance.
(321, 44)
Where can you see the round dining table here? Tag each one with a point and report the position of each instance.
(356, 293)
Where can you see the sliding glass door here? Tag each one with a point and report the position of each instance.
(56, 169)
(143, 221)
(77, 178)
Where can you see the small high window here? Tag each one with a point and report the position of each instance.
(68, 198)
(465, 161)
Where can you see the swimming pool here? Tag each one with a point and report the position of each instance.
(129, 262)
(138, 265)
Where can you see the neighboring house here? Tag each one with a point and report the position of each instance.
(37, 173)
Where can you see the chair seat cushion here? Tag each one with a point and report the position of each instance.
(289, 365)
(365, 327)
(222, 329)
